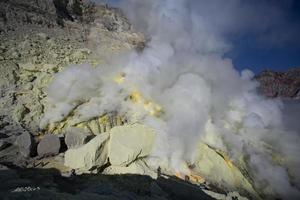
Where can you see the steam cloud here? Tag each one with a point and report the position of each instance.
(203, 97)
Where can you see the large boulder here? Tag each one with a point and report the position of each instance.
(219, 170)
(76, 137)
(49, 146)
(129, 142)
(93, 154)
(25, 143)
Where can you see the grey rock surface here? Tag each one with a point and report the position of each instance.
(49, 146)
(42, 13)
(25, 143)
(76, 137)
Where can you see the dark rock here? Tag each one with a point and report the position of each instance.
(280, 84)
(39, 12)
(25, 143)
(298, 95)
(49, 146)
(61, 10)
(114, 20)
(43, 12)
(3, 144)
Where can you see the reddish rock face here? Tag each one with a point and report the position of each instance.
(280, 84)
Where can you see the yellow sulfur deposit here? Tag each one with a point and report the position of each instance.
(152, 108)
(119, 78)
(106, 121)
(226, 158)
(136, 96)
(95, 126)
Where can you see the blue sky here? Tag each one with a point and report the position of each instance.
(270, 41)
(249, 52)
(246, 53)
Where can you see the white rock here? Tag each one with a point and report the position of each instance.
(94, 153)
(129, 142)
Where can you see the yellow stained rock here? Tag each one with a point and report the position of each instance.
(119, 78)
(218, 169)
(129, 142)
(136, 96)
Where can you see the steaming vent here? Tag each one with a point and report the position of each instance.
(106, 120)
(183, 107)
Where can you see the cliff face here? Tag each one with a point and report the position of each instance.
(39, 38)
(280, 84)
(43, 13)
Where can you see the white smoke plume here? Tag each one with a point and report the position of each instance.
(203, 97)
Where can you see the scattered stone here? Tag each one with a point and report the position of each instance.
(129, 142)
(49, 146)
(25, 143)
(91, 155)
(76, 137)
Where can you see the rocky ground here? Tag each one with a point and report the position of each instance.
(84, 160)
(19, 183)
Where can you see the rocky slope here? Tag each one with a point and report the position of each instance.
(280, 84)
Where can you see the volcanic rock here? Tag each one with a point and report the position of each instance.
(43, 13)
(49, 146)
(280, 84)
(129, 142)
(76, 138)
(93, 154)
(220, 171)
(3, 144)
(25, 143)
